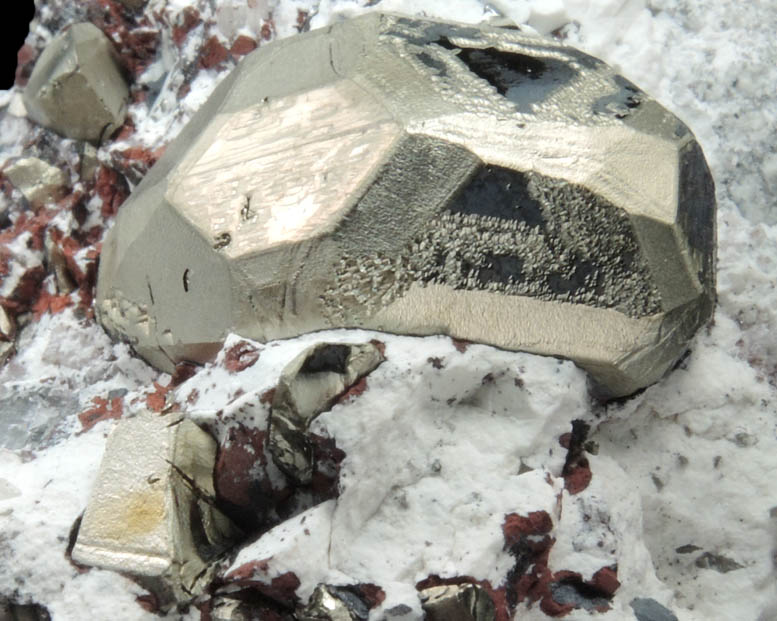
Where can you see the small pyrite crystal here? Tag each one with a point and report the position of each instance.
(420, 177)
(76, 87)
(37, 180)
(460, 602)
(151, 513)
(308, 386)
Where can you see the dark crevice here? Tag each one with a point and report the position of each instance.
(328, 358)
(503, 70)
(499, 192)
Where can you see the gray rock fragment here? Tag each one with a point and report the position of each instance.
(7, 350)
(229, 609)
(648, 609)
(569, 594)
(57, 263)
(427, 178)
(10, 611)
(76, 87)
(328, 603)
(718, 562)
(88, 161)
(309, 385)
(459, 602)
(134, 4)
(38, 181)
(151, 513)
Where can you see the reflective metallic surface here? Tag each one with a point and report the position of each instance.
(328, 603)
(39, 181)
(76, 87)
(308, 385)
(420, 177)
(459, 602)
(151, 512)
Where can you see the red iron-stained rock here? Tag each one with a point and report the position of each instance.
(188, 20)
(112, 188)
(213, 53)
(281, 589)
(241, 356)
(104, 409)
(242, 46)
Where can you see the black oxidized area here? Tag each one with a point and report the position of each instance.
(522, 79)
(526, 234)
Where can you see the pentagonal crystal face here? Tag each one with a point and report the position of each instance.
(421, 177)
(283, 170)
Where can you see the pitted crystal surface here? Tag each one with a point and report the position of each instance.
(421, 177)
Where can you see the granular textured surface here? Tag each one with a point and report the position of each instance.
(422, 177)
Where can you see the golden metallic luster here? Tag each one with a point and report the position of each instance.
(37, 180)
(151, 513)
(308, 386)
(420, 177)
(76, 87)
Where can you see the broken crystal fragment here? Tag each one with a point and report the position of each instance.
(76, 87)
(308, 385)
(7, 326)
(37, 180)
(458, 602)
(648, 609)
(328, 603)
(10, 611)
(420, 177)
(151, 513)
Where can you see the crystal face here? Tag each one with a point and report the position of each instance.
(76, 87)
(152, 511)
(421, 177)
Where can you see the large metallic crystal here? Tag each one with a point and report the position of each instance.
(420, 177)
(151, 513)
(76, 87)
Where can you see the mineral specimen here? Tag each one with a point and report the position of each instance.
(37, 180)
(421, 177)
(461, 602)
(309, 385)
(76, 87)
(648, 609)
(151, 512)
(328, 603)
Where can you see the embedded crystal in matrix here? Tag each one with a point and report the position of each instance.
(421, 177)
(76, 87)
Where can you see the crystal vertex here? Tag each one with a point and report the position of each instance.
(420, 177)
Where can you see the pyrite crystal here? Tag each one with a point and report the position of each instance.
(421, 177)
(152, 511)
(76, 87)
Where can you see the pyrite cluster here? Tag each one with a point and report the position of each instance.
(421, 177)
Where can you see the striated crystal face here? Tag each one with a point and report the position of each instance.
(421, 177)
